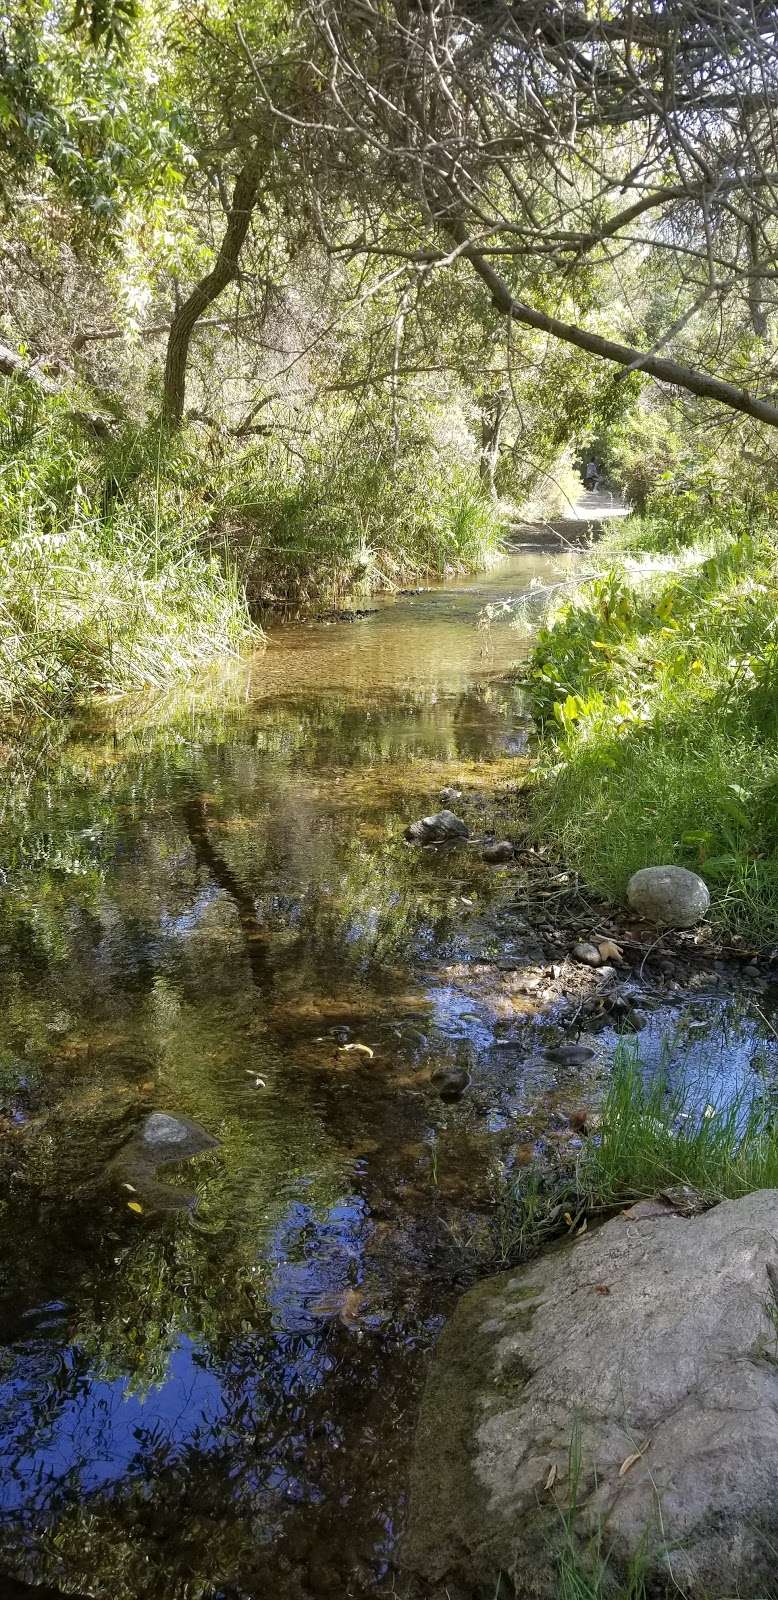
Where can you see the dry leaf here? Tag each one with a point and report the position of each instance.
(601, 1288)
(568, 1219)
(627, 1465)
(552, 1477)
(358, 1050)
(132, 1205)
(130, 1186)
(608, 950)
(582, 1228)
(344, 1305)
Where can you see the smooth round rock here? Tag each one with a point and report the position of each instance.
(587, 953)
(672, 896)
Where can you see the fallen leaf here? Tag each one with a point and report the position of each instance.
(552, 1477)
(568, 1219)
(608, 950)
(626, 1466)
(582, 1228)
(358, 1050)
(344, 1305)
(601, 1288)
(133, 1205)
(130, 1186)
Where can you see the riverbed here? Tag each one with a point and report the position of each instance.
(206, 903)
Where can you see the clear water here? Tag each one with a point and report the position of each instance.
(217, 1398)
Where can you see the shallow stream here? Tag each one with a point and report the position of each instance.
(203, 903)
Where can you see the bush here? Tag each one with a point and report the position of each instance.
(105, 584)
(353, 523)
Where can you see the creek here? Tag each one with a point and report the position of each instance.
(214, 1394)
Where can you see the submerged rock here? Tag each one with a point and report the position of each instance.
(161, 1140)
(174, 1138)
(450, 1082)
(650, 1343)
(669, 895)
(437, 829)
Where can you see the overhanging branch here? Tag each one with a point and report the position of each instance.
(665, 371)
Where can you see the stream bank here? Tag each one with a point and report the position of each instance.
(204, 904)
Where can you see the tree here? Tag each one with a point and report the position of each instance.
(547, 145)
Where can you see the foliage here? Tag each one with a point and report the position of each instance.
(354, 522)
(657, 685)
(105, 585)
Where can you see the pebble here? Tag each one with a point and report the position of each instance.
(499, 853)
(587, 953)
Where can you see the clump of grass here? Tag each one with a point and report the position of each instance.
(656, 1133)
(584, 1567)
(658, 694)
(353, 522)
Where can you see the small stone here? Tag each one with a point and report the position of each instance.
(448, 796)
(450, 1082)
(498, 853)
(437, 829)
(587, 953)
(671, 896)
(572, 1055)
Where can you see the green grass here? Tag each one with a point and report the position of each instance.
(134, 563)
(657, 1133)
(335, 526)
(106, 582)
(657, 689)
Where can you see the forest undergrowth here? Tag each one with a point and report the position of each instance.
(133, 561)
(655, 682)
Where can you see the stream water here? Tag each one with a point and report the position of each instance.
(202, 904)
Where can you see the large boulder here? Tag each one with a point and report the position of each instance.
(650, 1346)
(672, 896)
(440, 828)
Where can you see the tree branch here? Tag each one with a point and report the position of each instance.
(665, 371)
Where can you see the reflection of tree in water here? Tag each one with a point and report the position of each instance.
(168, 903)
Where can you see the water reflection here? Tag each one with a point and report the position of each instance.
(198, 901)
(192, 906)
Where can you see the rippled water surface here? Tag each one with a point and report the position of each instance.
(202, 904)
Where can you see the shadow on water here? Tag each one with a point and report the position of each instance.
(203, 904)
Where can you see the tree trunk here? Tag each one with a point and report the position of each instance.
(224, 270)
(672, 372)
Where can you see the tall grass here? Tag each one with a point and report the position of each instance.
(353, 521)
(656, 1132)
(106, 584)
(657, 688)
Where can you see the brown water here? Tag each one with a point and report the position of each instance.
(203, 902)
